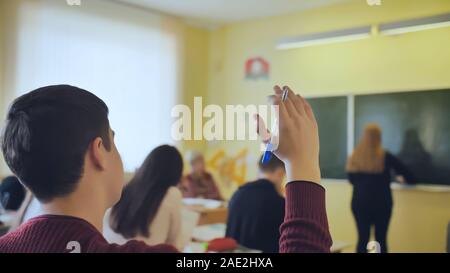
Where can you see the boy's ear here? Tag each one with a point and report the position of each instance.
(97, 153)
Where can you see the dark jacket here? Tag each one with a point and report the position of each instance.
(12, 193)
(374, 188)
(255, 213)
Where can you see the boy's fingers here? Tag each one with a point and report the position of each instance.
(296, 101)
(284, 111)
(277, 89)
(283, 114)
(278, 92)
(290, 107)
(309, 111)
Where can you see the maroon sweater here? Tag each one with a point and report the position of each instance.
(305, 229)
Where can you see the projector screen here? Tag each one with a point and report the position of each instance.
(121, 54)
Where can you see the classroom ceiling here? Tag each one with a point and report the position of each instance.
(216, 12)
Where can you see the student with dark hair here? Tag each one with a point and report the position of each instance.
(256, 210)
(150, 207)
(58, 142)
(12, 193)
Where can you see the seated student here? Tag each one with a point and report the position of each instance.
(150, 207)
(12, 193)
(256, 210)
(28, 209)
(57, 140)
(199, 183)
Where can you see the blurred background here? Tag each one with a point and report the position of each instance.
(356, 61)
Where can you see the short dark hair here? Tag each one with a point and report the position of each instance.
(270, 166)
(47, 134)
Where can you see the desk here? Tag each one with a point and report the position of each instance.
(207, 233)
(197, 247)
(210, 216)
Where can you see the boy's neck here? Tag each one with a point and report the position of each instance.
(83, 207)
(277, 185)
(267, 177)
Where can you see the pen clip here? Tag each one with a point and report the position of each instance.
(285, 94)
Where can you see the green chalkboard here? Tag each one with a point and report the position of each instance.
(416, 128)
(331, 115)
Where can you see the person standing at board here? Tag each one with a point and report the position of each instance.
(369, 170)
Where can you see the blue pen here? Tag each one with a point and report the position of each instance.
(268, 153)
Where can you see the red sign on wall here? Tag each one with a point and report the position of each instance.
(256, 68)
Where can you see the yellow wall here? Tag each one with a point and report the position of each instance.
(195, 83)
(412, 61)
(4, 18)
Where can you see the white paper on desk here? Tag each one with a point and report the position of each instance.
(189, 220)
(8, 218)
(207, 233)
(207, 203)
(194, 248)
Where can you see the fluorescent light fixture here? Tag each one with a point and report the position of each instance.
(325, 38)
(415, 25)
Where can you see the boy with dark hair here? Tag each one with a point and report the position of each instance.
(58, 142)
(256, 210)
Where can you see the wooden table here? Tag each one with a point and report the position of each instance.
(210, 216)
(208, 232)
